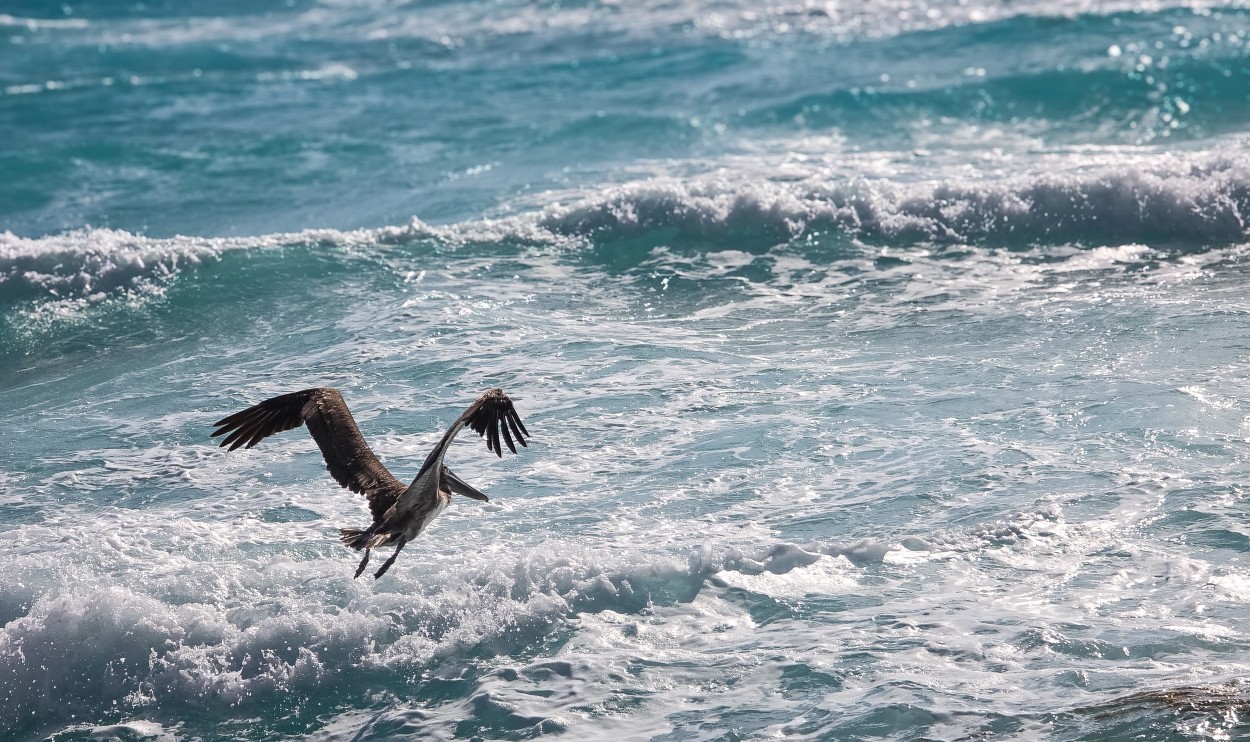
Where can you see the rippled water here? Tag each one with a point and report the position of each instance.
(886, 368)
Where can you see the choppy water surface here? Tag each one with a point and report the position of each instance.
(886, 367)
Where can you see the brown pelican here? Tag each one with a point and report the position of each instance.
(400, 512)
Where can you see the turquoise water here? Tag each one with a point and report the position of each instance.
(886, 368)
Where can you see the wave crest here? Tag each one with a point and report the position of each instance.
(1170, 205)
(1198, 206)
(93, 263)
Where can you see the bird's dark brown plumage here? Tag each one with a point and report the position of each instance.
(350, 460)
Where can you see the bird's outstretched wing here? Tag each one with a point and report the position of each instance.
(350, 460)
(491, 415)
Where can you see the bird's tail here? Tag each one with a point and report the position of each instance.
(357, 539)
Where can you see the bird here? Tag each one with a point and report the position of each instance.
(400, 512)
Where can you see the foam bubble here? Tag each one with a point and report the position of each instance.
(825, 576)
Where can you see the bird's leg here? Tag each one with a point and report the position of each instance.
(387, 564)
(363, 562)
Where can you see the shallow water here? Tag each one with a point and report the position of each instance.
(885, 368)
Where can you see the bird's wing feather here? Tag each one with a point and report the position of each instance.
(486, 416)
(350, 460)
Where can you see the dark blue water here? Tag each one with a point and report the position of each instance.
(886, 368)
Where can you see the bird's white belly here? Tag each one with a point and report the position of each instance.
(418, 524)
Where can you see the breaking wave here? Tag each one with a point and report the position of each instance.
(208, 630)
(1176, 206)
(1198, 206)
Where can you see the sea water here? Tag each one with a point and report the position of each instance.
(887, 366)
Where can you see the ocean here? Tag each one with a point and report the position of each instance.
(886, 366)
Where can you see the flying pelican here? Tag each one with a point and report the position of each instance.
(400, 512)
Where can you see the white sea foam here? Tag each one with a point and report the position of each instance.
(165, 612)
(38, 24)
(91, 264)
(1163, 201)
(205, 606)
(1111, 197)
(1087, 198)
(335, 71)
(208, 605)
(469, 23)
(1170, 200)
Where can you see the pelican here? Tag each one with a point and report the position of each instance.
(400, 513)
